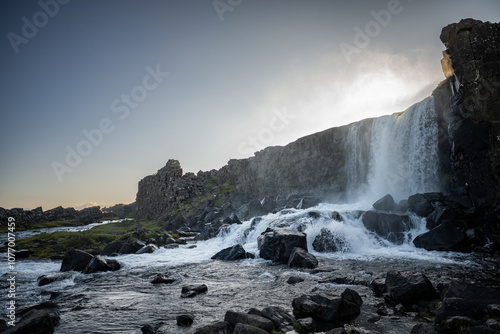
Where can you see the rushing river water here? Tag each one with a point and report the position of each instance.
(122, 301)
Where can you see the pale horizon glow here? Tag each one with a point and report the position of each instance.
(266, 75)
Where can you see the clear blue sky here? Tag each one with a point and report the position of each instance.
(198, 81)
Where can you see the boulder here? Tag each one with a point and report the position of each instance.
(191, 291)
(440, 215)
(235, 318)
(234, 253)
(162, 279)
(149, 329)
(386, 203)
(112, 248)
(131, 246)
(47, 279)
(468, 300)
(35, 322)
(185, 320)
(294, 279)
(220, 327)
(409, 288)
(302, 259)
(100, 263)
(76, 260)
(248, 329)
(147, 249)
(420, 205)
(280, 318)
(445, 237)
(325, 307)
(276, 244)
(387, 225)
(326, 241)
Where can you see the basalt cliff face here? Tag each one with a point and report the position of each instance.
(450, 142)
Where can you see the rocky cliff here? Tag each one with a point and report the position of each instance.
(449, 142)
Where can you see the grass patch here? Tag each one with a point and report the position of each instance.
(46, 245)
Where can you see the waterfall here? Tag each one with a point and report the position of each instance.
(402, 155)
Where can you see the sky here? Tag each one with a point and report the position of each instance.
(96, 95)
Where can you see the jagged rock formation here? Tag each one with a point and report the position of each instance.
(472, 65)
(454, 135)
(26, 218)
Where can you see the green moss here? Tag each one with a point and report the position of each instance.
(92, 241)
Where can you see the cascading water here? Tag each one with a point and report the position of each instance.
(400, 157)
(404, 152)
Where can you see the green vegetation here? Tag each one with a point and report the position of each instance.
(47, 245)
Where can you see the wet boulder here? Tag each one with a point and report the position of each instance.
(185, 320)
(468, 300)
(325, 307)
(35, 321)
(277, 244)
(149, 329)
(234, 253)
(327, 241)
(76, 260)
(112, 248)
(131, 246)
(235, 318)
(219, 327)
(409, 288)
(445, 237)
(248, 329)
(301, 258)
(440, 215)
(387, 225)
(147, 249)
(386, 203)
(282, 320)
(191, 291)
(420, 204)
(162, 279)
(100, 263)
(47, 279)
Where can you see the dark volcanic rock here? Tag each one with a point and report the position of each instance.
(387, 225)
(280, 318)
(185, 320)
(47, 279)
(236, 252)
(76, 260)
(234, 318)
(326, 241)
(277, 244)
(220, 327)
(131, 246)
(294, 279)
(147, 249)
(35, 322)
(445, 237)
(409, 288)
(191, 291)
(149, 329)
(248, 329)
(112, 248)
(328, 308)
(386, 203)
(469, 300)
(100, 263)
(162, 279)
(425, 329)
(419, 204)
(302, 259)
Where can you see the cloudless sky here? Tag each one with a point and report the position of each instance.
(232, 77)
